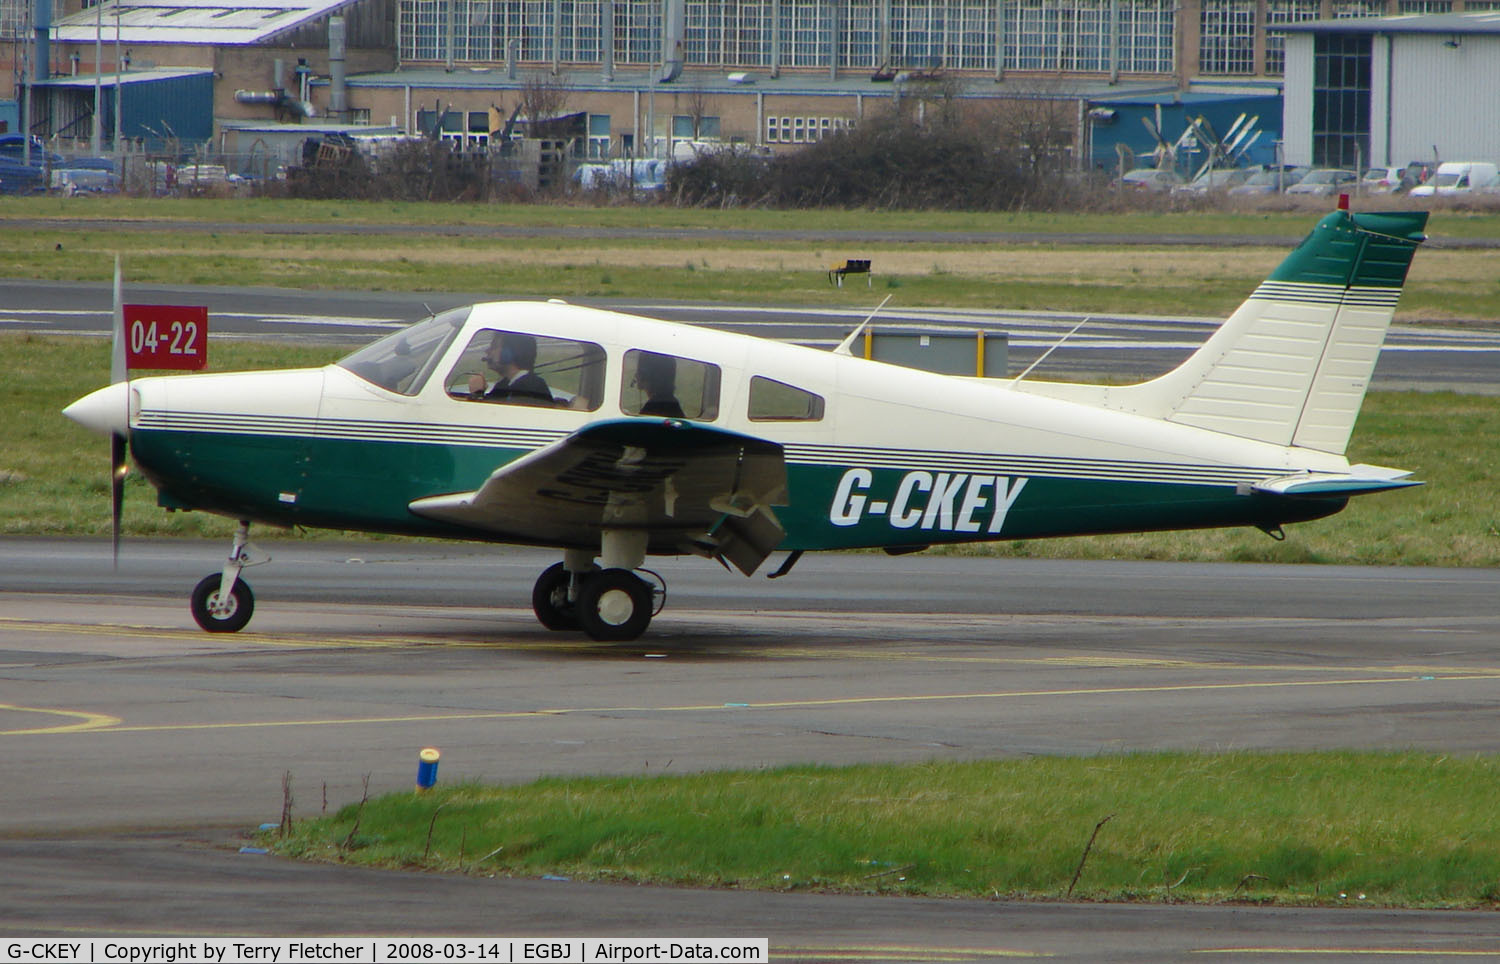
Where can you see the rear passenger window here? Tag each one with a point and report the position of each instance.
(667, 386)
(773, 401)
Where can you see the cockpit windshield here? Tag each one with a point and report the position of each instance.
(401, 362)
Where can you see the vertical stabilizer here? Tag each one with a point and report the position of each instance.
(1292, 364)
(1387, 243)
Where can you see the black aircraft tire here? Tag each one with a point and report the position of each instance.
(614, 605)
(204, 594)
(549, 599)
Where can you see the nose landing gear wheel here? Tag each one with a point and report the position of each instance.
(231, 617)
(549, 599)
(614, 605)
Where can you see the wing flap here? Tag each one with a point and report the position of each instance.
(693, 488)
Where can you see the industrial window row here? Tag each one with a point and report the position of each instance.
(1066, 35)
(1226, 42)
(802, 130)
(489, 31)
(1281, 12)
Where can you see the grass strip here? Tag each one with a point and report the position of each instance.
(54, 475)
(1388, 829)
(1202, 280)
(1281, 217)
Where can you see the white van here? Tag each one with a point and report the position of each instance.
(1458, 177)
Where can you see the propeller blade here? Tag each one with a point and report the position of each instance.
(1249, 143)
(1207, 129)
(1237, 139)
(1233, 128)
(117, 471)
(1153, 131)
(119, 370)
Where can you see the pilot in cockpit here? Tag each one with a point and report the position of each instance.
(511, 356)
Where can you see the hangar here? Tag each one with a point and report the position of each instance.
(646, 76)
(1389, 90)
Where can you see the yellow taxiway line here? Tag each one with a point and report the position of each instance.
(99, 723)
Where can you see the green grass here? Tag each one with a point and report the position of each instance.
(1392, 829)
(1448, 222)
(54, 476)
(1213, 280)
(265, 210)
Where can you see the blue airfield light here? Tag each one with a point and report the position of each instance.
(427, 767)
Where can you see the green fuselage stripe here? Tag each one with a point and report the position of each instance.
(366, 485)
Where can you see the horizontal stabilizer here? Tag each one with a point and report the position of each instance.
(1359, 480)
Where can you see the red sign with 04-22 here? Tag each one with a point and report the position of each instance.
(166, 336)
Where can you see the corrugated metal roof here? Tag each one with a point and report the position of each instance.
(191, 21)
(107, 79)
(1472, 22)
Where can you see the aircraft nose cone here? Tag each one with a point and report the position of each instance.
(106, 411)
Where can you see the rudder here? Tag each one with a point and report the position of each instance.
(1292, 364)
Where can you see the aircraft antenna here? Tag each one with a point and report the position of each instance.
(846, 346)
(1043, 357)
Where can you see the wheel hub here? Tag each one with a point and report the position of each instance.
(223, 605)
(616, 607)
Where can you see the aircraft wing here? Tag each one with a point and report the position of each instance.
(1359, 480)
(692, 487)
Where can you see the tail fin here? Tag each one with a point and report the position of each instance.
(1292, 364)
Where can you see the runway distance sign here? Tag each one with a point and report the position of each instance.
(166, 337)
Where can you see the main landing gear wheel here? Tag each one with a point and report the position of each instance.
(614, 605)
(549, 599)
(228, 618)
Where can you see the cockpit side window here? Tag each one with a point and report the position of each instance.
(773, 401)
(669, 387)
(520, 368)
(403, 361)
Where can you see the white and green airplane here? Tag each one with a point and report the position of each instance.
(613, 437)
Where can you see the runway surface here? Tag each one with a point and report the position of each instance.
(138, 749)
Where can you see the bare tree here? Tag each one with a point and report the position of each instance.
(699, 103)
(938, 99)
(543, 97)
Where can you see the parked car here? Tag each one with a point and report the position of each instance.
(1325, 181)
(1269, 180)
(1458, 177)
(85, 180)
(1418, 172)
(197, 179)
(1219, 179)
(1383, 180)
(1149, 179)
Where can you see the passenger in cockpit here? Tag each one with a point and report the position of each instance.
(656, 376)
